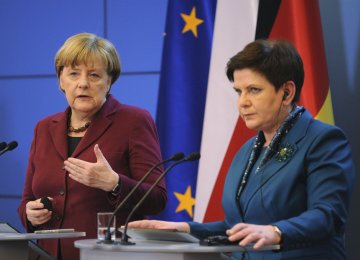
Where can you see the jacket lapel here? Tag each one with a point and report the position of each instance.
(58, 128)
(98, 127)
(272, 167)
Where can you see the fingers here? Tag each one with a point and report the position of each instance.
(74, 163)
(246, 234)
(150, 224)
(36, 214)
(237, 232)
(41, 217)
(146, 224)
(99, 155)
(158, 224)
(97, 175)
(78, 170)
(139, 224)
(259, 244)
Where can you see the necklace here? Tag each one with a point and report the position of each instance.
(76, 130)
(273, 147)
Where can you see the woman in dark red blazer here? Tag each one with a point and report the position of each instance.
(87, 158)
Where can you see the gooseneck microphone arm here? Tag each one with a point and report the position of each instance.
(2, 146)
(10, 146)
(124, 238)
(175, 157)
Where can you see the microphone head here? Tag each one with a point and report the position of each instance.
(177, 156)
(193, 157)
(12, 145)
(2, 145)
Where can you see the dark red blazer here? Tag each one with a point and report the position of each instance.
(128, 139)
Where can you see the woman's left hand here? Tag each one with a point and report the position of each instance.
(260, 235)
(98, 175)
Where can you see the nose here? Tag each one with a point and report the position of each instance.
(83, 81)
(243, 100)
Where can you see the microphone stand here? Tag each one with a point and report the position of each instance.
(107, 240)
(124, 239)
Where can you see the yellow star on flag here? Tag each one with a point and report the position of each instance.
(191, 22)
(186, 202)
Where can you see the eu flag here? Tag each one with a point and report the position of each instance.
(182, 96)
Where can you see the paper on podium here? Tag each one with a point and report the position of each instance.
(160, 235)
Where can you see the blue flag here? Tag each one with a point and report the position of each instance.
(182, 96)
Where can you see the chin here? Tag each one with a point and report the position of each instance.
(252, 126)
(85, 110)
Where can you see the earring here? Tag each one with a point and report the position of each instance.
(286, 94)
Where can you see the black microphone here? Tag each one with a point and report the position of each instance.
(2, 145)
(175, 157)
(191, 157)
(10, 146)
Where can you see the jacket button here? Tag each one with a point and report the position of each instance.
(61, 192)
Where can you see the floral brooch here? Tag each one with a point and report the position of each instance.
(285, 152)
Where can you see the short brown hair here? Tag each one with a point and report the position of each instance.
(83, 47)
(277, 61)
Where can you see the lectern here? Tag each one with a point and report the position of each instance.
(14, 245)
(90, 249)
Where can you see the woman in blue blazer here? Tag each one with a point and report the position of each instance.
(289, 185)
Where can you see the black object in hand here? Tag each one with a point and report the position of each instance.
(217, 241)
(47, 203)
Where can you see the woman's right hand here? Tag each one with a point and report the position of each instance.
(36, 214)
(157, 224)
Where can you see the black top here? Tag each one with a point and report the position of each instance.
(72, 143)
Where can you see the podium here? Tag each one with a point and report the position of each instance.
(90, 249)
(14, 245)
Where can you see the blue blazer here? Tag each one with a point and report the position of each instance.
(306, 194)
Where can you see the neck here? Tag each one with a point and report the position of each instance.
(77, 120)
(282, 115)
(77, 126)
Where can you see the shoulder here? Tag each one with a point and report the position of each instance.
(323, 141)
(113, 108)
(51, 118)
(133, 111)
(320, 130)
(128, 116)
(133, 116)
(308, 130)
(245, 149)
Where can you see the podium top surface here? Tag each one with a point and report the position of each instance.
(31, 236)
(163, 246)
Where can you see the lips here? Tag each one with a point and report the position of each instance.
(247, 116)
(82, 96)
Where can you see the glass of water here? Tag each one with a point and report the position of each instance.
(103, 219)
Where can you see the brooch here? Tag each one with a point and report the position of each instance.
(285, 152)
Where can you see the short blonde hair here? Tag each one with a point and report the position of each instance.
(84, 47)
